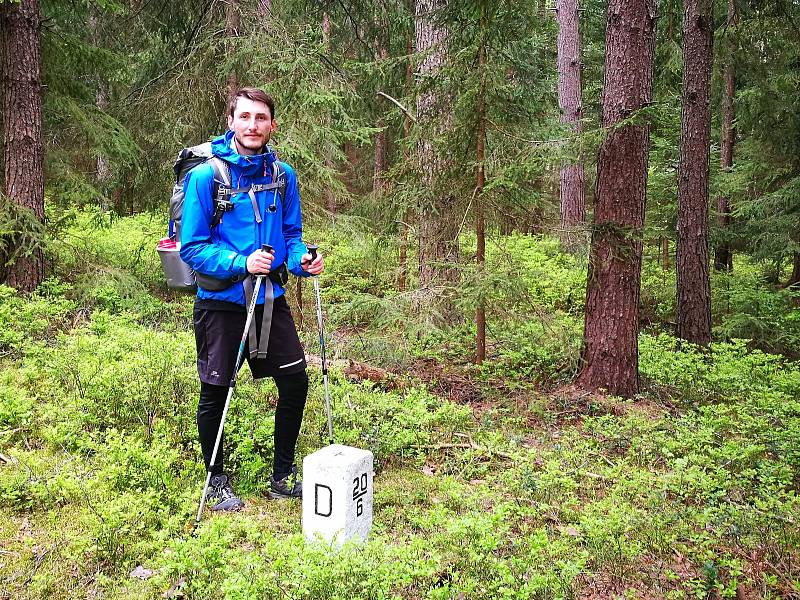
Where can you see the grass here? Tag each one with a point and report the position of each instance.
(521, 488)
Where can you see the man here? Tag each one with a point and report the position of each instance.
(223, 228)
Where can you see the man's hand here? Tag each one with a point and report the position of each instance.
(260, 262)
(316, 267)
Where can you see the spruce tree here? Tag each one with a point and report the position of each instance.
(693, 279)
(610, 354)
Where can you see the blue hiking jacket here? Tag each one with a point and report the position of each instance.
(222, 252)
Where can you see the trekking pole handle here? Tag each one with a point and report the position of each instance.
(267, 248)
(312, 250)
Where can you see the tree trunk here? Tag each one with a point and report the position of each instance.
(380, 163)
(233, 21)
(381, 139)
(692, 260)
(723, 257)
(480, 181)
(405, 226)
(794, 281)
(329, 197)
(103, 169)
(23, 178)
(665, 263)
(573, 202)
(438, 246)
(611, 354)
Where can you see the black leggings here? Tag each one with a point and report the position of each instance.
(292, 392)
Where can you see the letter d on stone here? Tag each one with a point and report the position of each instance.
(318, 504)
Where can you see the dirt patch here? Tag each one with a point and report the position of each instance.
(569, 403)
(650, 577)
(448, 382)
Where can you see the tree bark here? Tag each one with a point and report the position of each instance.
(723, 257)
(794, 280)
(380, 160)
(103, 169)
(23, 177)
(233, 22)
(438, 246)
(329, 197)
(573, 202)
(264, 8)
(405, 226)
(480, 181)
(692, 254)
(610, 354)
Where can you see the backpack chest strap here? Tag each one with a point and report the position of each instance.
(223, 189)
(255, 188)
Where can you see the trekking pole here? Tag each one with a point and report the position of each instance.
(312, 250)
(239, 359)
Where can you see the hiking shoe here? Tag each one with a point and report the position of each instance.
(220, 490)
(288, 486)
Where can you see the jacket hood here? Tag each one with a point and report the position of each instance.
(224, 148)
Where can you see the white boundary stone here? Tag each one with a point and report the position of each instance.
(337, 494)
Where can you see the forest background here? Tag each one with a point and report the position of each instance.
(563, 248)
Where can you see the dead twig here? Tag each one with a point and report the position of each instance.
(15, 430)
(400, 106)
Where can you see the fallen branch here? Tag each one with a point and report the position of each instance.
(360, 371)
(375, 374)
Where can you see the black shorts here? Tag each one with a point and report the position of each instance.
(218, 332)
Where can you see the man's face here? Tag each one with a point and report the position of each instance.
(252, 125)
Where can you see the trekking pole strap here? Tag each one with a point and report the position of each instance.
(260, 344)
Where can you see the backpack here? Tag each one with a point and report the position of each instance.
(178, 274)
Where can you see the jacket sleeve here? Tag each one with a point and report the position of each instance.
(293, 225)
(197, 248)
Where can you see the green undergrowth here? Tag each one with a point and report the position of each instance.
(689, 491)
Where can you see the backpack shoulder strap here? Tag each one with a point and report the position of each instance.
(222, 171)
(279, 176)
(222, 177)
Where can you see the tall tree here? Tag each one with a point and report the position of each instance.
(573, 202)
(233, 22)
(264, 8)
(438, 246)
(723, 257)
(330, 198)
(692, 254)
(480, 181)
(610, 354)
(103, 168)
(23, 177)
(380, 158)
(405, 226)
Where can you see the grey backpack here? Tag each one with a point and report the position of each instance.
(179, 275)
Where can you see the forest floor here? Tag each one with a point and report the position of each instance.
(501, 481)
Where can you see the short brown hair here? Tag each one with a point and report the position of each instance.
(254, 94)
